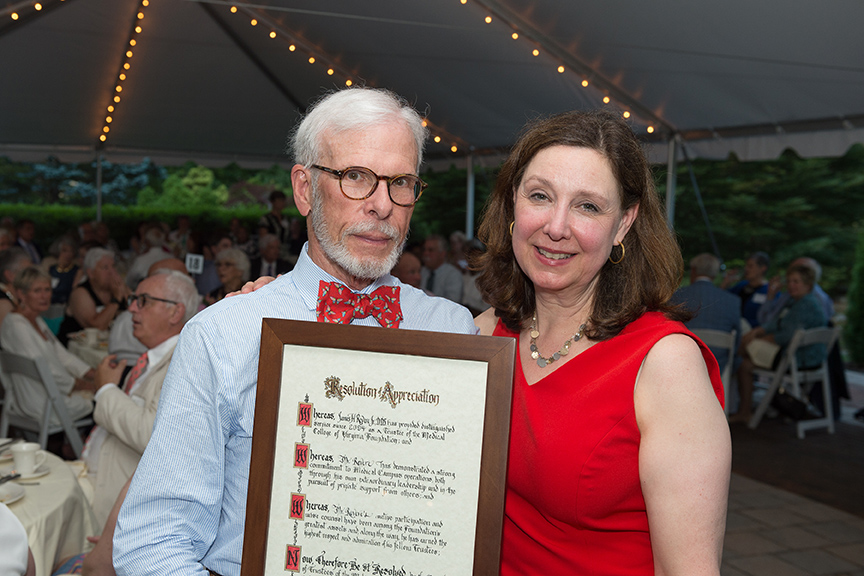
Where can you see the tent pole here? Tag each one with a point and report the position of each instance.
(99, 188)
(671, 177)
(469, 202)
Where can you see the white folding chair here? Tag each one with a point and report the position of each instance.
(720, 339)
(37, 370)
(799, 382)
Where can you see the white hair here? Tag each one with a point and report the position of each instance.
(181, 288)
(94, 255)
(353, 109)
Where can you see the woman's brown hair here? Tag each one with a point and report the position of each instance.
(651, 267)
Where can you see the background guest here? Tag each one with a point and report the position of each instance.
(803, 310)
(161, 305)
(269, 263)
(407, 270)
(26, 230)
(232, 265)
(276, 223)
(25, 333)
(438, 277)
(65, 272)
(753, 289)
(12, 261)
(7, 238)
(713, 308)
(95, 302)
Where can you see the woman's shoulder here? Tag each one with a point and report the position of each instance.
(486, 322)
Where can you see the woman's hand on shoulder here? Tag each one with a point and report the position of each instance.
(684, 458)
(486, 322)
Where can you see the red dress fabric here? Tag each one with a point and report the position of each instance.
(574, 503)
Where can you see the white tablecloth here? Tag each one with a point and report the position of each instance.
(55, 514)
(92, 355)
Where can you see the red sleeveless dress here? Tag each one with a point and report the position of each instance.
(574, 503)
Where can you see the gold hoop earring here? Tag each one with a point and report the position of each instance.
(621, 244)
(511, 227)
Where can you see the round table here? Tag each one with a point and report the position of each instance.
(55, 513)
(91, 354)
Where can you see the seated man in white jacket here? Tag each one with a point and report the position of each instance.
(161, 305)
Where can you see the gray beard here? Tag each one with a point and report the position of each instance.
(337, 252)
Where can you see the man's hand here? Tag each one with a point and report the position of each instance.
(109, 371)
(250, 286)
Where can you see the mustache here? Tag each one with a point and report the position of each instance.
(384, 228)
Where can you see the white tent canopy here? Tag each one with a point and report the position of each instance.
(205, 84)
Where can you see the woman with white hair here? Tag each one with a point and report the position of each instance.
(24, 332)
(95, 302)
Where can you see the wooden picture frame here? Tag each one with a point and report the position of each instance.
(464, 382)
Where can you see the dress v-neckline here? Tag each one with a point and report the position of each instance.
(561, 366)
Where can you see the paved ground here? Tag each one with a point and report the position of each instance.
(805, 518)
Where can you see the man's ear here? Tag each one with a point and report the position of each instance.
(302, 183)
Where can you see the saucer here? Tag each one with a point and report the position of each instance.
(10, 493)
(6, 453)
(37, 473)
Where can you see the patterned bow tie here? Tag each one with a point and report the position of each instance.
(339, 305)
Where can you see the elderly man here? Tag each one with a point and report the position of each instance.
(186, 507)
(713, 308)
(269, 264)
(160, 307)
(438, 276)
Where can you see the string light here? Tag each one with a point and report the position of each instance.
(626, 114)
(311, 60)
(535, 52)
(121, 75)
(38, 6)
(330, 71)
(453, 148)
(488, 19)
(560, 69)
(425, 124)
(233, 9)
(14, 16)
(584, 83)
(605, 99)
(515, 36)
(437, 139)
(292, 48)
(650, 129)
(348, 82)
(272, 34)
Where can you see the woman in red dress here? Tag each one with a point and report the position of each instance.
(619, 450)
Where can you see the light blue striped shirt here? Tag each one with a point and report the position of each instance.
(186, 506)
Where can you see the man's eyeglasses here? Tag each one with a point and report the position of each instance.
(359, 183)
(142, 300)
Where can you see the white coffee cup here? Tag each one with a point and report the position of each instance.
(28, 457)
(91, 336)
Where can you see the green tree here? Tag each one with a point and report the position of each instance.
(853, 332)
(195, 189)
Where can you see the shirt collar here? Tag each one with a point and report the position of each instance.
(307, 276)
(155, 354)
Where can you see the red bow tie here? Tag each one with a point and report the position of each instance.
(339, 305)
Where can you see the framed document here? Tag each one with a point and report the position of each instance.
(377, 452)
